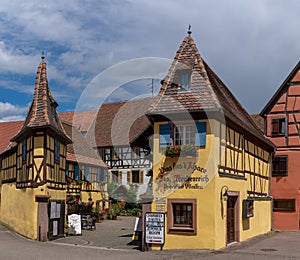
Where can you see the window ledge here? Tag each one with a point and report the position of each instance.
(277, 135)
(231, 175)
(182, 230)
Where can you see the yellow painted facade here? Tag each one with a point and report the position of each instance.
(23, 180)
(21, 215)
(228, 161)
(40, 174)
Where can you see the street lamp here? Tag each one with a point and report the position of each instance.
(224, 193)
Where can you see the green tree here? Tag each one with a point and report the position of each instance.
(131, 196)
(111, 189)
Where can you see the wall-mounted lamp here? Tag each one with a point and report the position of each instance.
(224, 193)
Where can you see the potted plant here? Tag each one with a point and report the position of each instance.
(188, 150)
(114, 212)
(173, 151)
(181, 150)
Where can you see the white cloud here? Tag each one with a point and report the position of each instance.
(13, 61)
(17, 86)
(249, 44)
(10, 112)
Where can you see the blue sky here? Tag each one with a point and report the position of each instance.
(251, 45)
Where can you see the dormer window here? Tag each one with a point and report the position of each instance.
(183, 79)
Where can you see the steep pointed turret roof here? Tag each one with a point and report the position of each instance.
(206, 91)
(42, 112)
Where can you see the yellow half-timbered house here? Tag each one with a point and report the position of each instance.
(211, 163)
(36, 168)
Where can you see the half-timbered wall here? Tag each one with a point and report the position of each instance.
(257, 169)
(282, 127)
(125, 157)
(233, 154)
(55, 168)
(287, 108)
(25, 167)
(243, 159)
(95, 180)
(38, 165)
(8, 169)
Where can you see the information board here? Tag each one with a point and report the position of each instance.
(155, 228)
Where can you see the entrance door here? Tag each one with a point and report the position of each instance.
(231, 219)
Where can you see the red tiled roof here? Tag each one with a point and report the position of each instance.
(79, 151)
(42, 112)
(119, 123)
(259, 121)
(206, 92)
(201, 94)
(7, 131)
(80, 119)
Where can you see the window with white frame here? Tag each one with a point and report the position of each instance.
(184, 134)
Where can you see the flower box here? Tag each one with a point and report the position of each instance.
(183, 150)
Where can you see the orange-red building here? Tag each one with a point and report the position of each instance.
(282, 127)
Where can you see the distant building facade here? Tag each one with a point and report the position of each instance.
(120, 133)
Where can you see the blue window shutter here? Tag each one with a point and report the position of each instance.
(76, 173)
(200, 138)
(24, 150)
(57, 150)
(98, 177)
(164, 135)
(67, 169)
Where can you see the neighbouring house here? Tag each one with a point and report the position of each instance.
(211, 163)
(42, 161)
(121, 133)
(282, 126)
